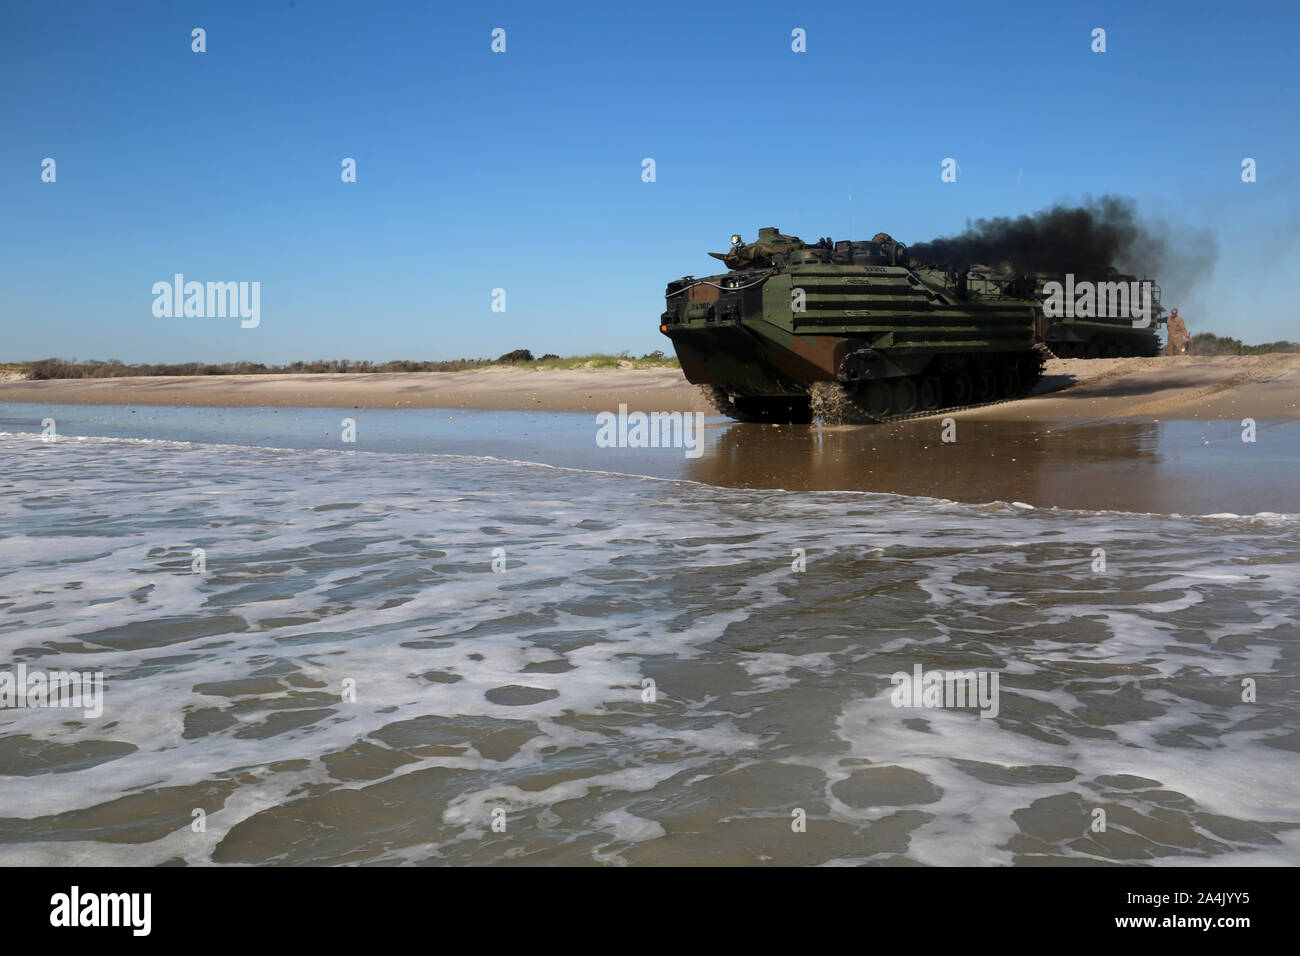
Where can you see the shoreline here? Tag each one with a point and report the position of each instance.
(1185, 387)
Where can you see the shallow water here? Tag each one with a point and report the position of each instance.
(1183, 467)
(523, 691)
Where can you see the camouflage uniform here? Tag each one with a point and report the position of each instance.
(1178, 337)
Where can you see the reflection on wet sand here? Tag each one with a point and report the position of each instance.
(1143, 465)
(1127, 466)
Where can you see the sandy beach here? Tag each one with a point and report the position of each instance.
(1263, 386)
(1182, 388)
(498, 388)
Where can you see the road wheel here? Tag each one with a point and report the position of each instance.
(931, 394)
(905, 396)
(963, 389)
(879, 398)
(986, 385)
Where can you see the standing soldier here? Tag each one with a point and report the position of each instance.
(1178, 337)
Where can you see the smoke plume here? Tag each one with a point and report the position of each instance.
(1085, 240)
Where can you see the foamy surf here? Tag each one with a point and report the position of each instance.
(386, 657)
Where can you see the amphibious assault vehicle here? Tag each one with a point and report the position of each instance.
(1101, 322)
(850, 324)
(855, 328)
(1108, 315)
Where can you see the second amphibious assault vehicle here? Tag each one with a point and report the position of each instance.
(855, 326)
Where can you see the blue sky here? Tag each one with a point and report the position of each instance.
(523, 170)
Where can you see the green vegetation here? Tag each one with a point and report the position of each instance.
(114, 368)
(655, 359)
(1207, 343)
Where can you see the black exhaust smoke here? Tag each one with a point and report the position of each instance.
(1085, 240)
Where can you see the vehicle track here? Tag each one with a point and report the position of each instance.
(846, 403)
(841, 410)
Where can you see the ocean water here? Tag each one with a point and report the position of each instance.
(440, 652)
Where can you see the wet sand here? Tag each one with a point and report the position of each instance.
(1143, 435)
(1266, 386)
(1166, 467)
(1163, 467)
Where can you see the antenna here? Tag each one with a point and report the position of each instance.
(850, 215)
(961, 196)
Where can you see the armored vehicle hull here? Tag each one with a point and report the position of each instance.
(794, 329)
(1109, 329)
